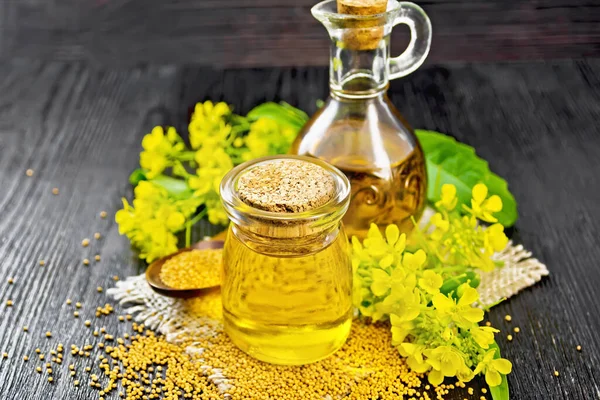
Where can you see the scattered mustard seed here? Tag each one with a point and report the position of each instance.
(103, 214)
(78, 305)
(578, 348)
(41, 357)
(121, 318)
(470, 391)
(38, 369)
(488, 323)
(38, 351)
(5, 355)
(97, 235)
(29, 172)
(556, 373)
(508, 318)
(99, 289)
(9, 303)
(87, 322)
(76, 383)
(25, 358)
(85, 242)
(48, 334)
(25, 328)
(509, 338)
(42, 263)
(517, 329)
(55, 191)
(86, 261)
(95, 333)
(72, 373)
(11, 281)
(69, 302)
(484, 390)
(50, 379)
(115, 278)
(97, 257)
(87, 369)
(76, 314)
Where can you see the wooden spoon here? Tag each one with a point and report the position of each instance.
(153, 273)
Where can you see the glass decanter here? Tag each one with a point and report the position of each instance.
(358, 129)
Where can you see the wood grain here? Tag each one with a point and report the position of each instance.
(80, 128)
(237, 33)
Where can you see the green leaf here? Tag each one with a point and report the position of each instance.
(177, 188)
(449, 161)
(282, 113)
(137, 176)
(501, 391)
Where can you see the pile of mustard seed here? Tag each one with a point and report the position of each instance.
(286, 186)
(193, 269)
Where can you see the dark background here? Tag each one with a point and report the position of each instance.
(242, 33)
(81, 82)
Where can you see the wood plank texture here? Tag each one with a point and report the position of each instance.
(281, 32)
(80, 128)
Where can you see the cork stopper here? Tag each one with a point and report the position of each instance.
(286, 186)
(361, 7)
(365, 35)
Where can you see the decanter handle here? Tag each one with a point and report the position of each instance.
(420, 40)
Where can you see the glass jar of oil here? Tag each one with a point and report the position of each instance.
(286, 278)
(358, 129)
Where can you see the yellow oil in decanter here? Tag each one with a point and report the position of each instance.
(287, 310)
(387, 177)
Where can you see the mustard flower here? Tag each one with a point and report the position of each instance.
(493, 368)
(448, 198)
(461, 312)
(483, 207)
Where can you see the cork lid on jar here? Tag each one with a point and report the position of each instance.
(286, 186)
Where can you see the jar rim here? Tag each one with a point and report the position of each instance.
(233, 204)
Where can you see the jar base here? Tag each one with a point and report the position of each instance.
(287, 344)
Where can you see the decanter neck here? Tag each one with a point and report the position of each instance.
(358, 72)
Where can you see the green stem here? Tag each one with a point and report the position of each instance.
(189, 224)
(457, 268)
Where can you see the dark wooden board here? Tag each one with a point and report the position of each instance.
(80, 128)
(281, 32)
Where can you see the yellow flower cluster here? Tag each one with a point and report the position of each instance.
(161, 151)
(458, 239)
(177, 185)
(221, 141)
(428, 294)
(153, 219)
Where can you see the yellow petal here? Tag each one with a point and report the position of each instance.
(381, 282)
(442, 302)
(392, 233)
(356, 245)
(472, 315)
(386, 261)
(479, 192)
(469, 296)
(435, 377)
(493, 378)
(448, 192)
(400, 244)
(494, 203)
(502, 365)
(374, 232)
(417, 366)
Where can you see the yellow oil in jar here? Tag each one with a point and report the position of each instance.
(287, 310)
